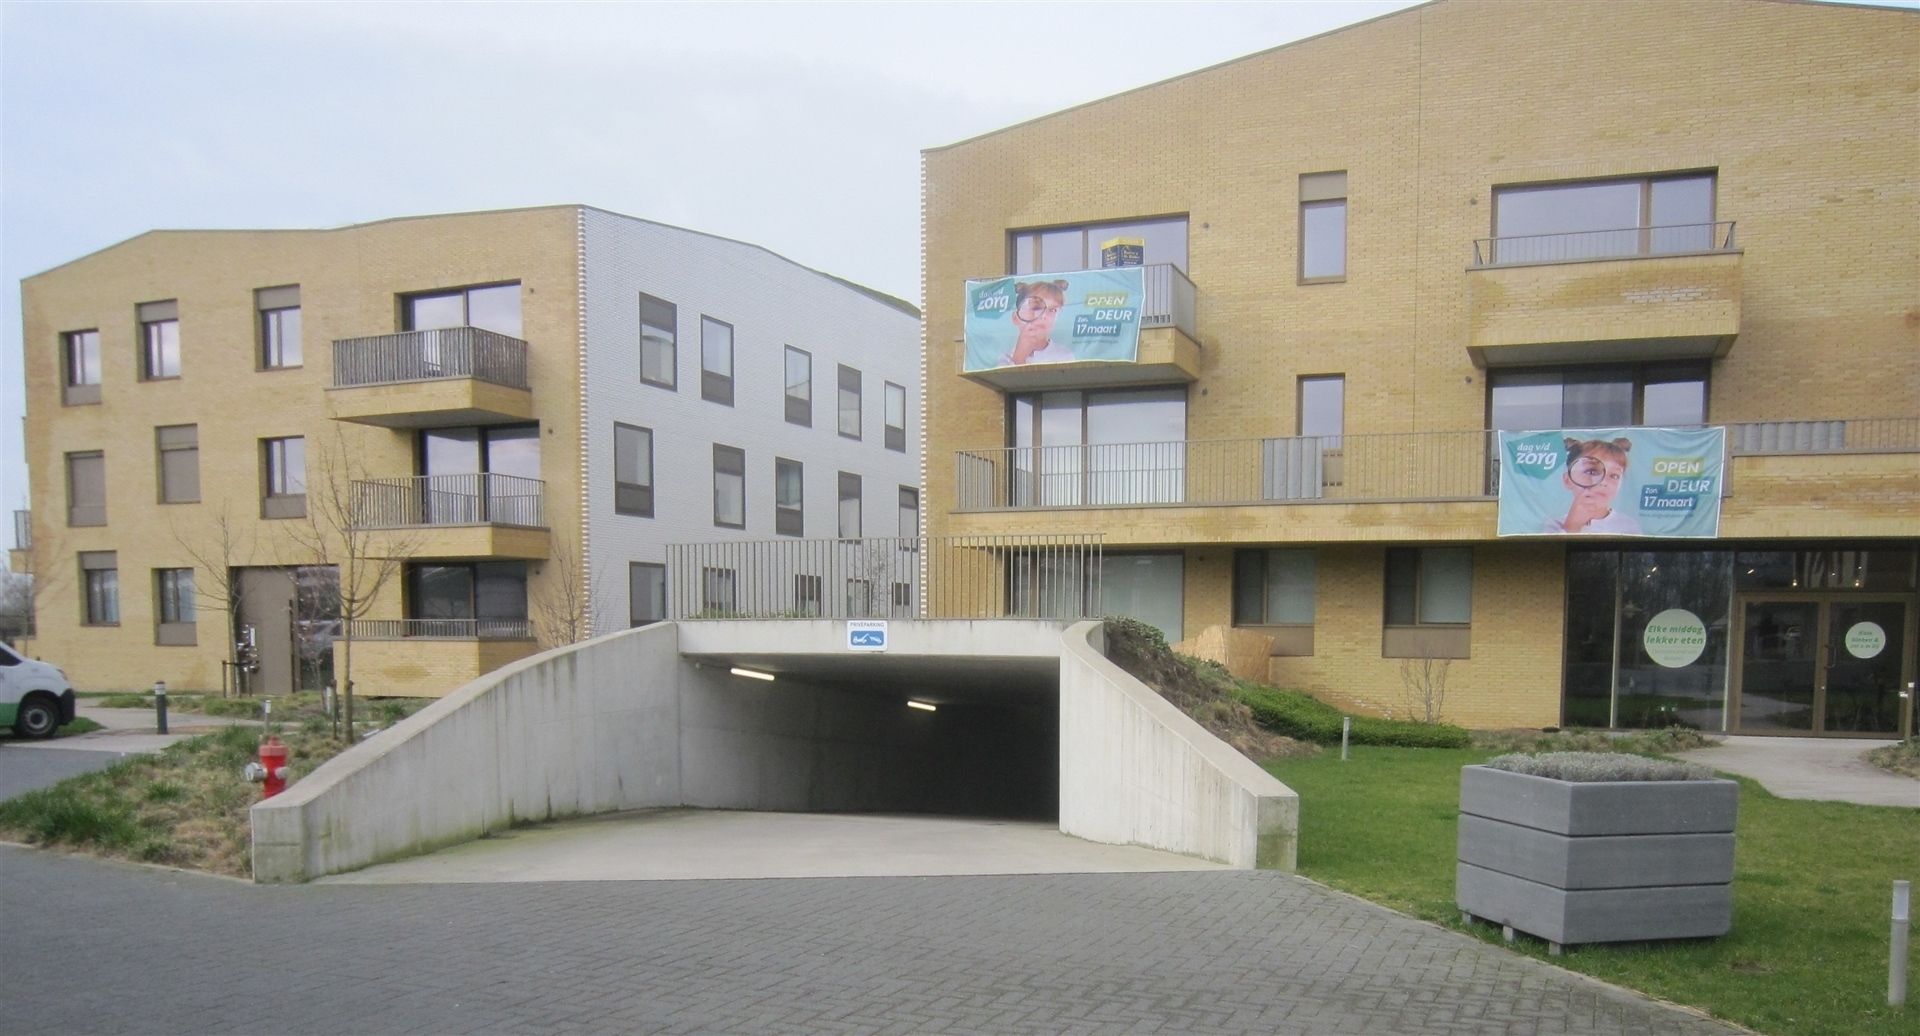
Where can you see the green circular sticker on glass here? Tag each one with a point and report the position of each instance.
(1675, 637)
(1866, 639)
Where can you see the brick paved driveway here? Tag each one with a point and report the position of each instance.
(98, 947)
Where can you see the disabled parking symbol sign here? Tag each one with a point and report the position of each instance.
(866, 635)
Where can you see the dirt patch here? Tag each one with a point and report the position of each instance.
(1201, 689)
(1903, 758)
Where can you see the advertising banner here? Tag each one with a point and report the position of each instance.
(1656, 482)
(1054, 318)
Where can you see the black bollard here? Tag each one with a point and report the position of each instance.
(160, 705)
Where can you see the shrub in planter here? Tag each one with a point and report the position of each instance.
(1580, 847)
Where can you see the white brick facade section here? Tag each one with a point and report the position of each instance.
(772, 303)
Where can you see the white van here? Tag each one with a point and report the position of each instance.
(35, 698)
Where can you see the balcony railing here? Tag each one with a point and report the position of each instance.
(23, 530)
(1389, 468)
(446, 352)
(429, 500)
(1625, 243)
(441, 629)
(1169, 300)
(915, 577)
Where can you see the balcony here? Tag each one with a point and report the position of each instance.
(430, 379)
(1645, 293)
(1169, 345)
(20, 558)
(430, 658)
(453, 516)
(1793, 478)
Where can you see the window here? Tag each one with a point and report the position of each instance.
(646, 593)
(100, 572)
(903, 600)
(179, 447)
(849, 402)
(729, 487)
(87, 488)
(716, 361)
(80, 366)
(1597, 219)
(789, 495)
(896, 402)
(279, 326)
(632, 470)
(1429, 586)
(859, 597)
(849, 506)
(1276, 588)
(160, 340)
(1323, 407)
(799, 387)
(659, 357)
(484, 600)
(1597, 397)
(481, 474)
(1148, 587)
(717, 595)
(809, 594)
(1124, 446)
(495, 308)
(909, 511)
(1323, 227)
(1078, 248)
(173, 590)
(285, 469)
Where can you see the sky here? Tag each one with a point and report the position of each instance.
(797, 126)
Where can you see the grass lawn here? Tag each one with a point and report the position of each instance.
(1812, 890)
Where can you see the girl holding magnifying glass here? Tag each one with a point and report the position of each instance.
(1595, 469)
(1036, 306)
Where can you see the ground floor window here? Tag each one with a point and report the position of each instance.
(1147, 587)
(487, 599)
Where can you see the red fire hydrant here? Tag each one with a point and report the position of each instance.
(272, 767)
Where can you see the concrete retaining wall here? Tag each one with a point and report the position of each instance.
(1134, 770)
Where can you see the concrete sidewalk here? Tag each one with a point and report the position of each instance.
(131, 731)
(1818, 768)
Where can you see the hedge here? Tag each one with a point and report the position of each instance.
(1302, 716)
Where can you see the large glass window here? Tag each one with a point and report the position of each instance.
(1603, 218)
(896, 417)
(80, 367)
(659, 356)
(1323, 227)
(485, 600)
(1323, 407)
(1665, 395)
(632, 470)
(1273, 587)
(179, 448)
(1078, 248)
(1429, 586)
(494, 307)
(849, 402)
(799, 387)
(100, 574)
(1615, 675)
(279, 326)
(729, 487)
(483, 474)
(1118, 446)
(716, 361)
(283, 477)
(175, 594)
(1147, 587)
(789, 496)
(646, 593)
(909, 512)
(160, 340)
(849, 506)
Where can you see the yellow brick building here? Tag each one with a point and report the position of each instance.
(1367, 253)
(441, 429)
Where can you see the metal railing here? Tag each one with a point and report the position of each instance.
(1169, 300)
(914, 577)
(417, 500)
(1624, 243)
(1390, 468)
(445, 352)
(441, 629)
(23, 530)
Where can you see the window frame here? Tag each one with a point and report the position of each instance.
(161, 451)
(270, 309)
(672, 356)
(101, 567)
(809, 594)
(175, 616)
(1643, 225)
(799, 409)
(275, 500)
(641, 493)
(730, 453)
(714, 578)
(79, 350)
(634, 619)
(1643, 373)
(1421, 555)
(1034, 243)
(716, 386)
(905, 492)
(1317, 192)
(896, 435)
(859, 506)
(405, 300)
(75, 518)
(156, 320)
(1290, 639)
(840, 409)
(789, 520)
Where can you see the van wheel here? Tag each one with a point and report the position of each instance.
(38, 717)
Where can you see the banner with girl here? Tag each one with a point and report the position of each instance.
(1655, 482)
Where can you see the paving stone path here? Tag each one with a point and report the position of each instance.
(99, 947)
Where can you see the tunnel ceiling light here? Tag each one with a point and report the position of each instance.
(923, 706)
(751, 674)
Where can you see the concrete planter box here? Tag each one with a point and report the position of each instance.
(1581, 862)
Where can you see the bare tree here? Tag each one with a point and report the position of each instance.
(42, 575)
(1423, 686)
(334, 533)
(568, 607)
(217, 559)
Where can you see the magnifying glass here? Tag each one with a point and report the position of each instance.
(1587, 472)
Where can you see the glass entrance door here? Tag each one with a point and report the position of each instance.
(1824, 665)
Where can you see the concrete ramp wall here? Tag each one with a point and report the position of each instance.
(1134, 770)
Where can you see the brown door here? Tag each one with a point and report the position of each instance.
(1825, 664)
(266, 611)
